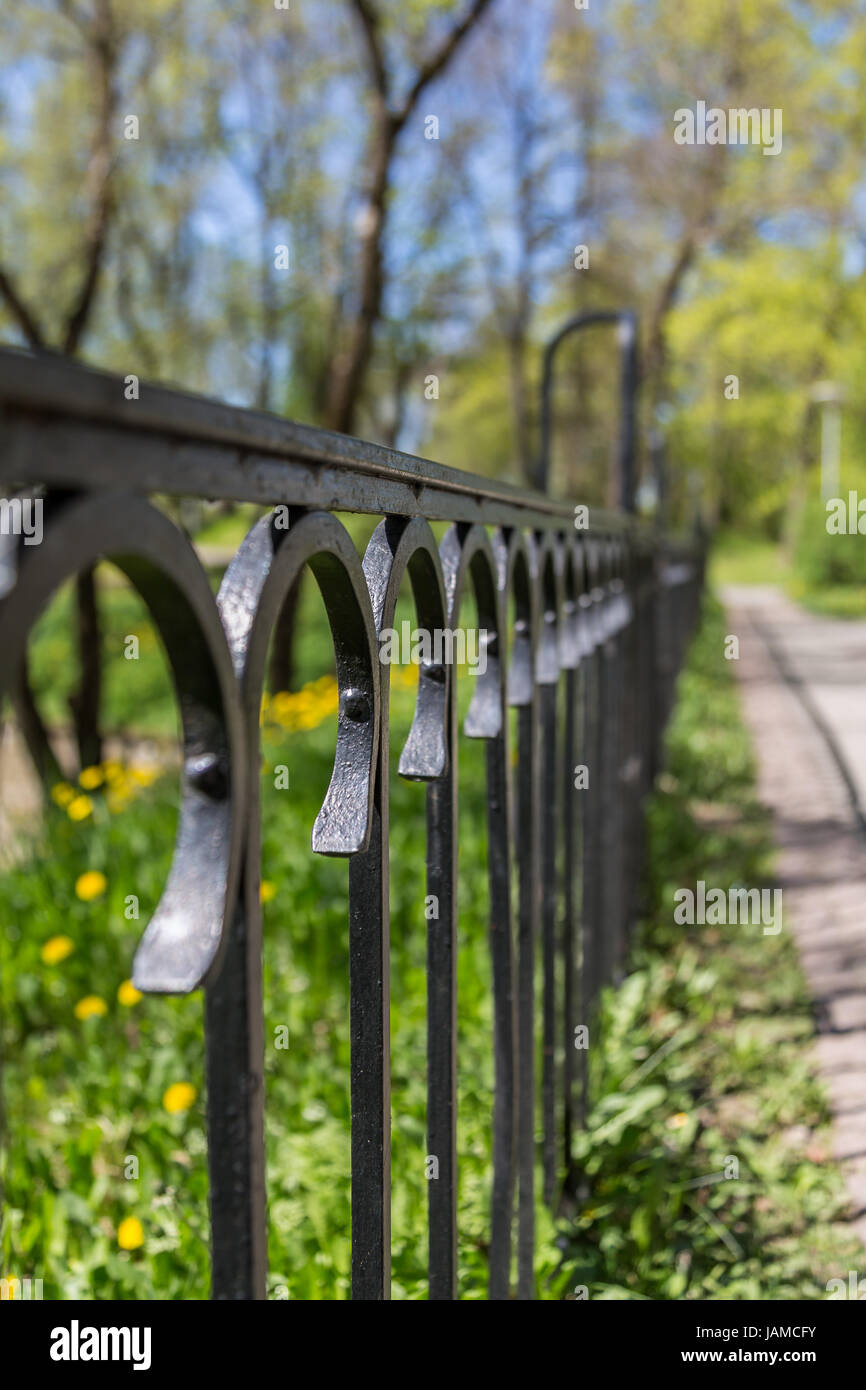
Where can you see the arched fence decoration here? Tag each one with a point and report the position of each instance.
(601, 617)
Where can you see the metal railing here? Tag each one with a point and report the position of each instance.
(601, 618)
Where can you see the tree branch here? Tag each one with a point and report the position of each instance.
(20, 312)
(440, 60)
(369, 22)
(695, 234)
(371, 28)
(98, 179)
(351, 358)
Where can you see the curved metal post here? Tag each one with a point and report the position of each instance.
(626, 321)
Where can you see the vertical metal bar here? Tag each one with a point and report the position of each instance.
(549, 805)
(552, 648)
(590, 858)
(603, 809)
(612, 865)
(570, 857)
(516, 573)
(619, 857)
(468, 551)
(370, 991)
(398, 546)
(442, 1017)
(583, 903)
(631, 784)
(635, 713)
(235, 1099)
(661, 625)
(526, 817)
(234, 1061)
(504, 1016)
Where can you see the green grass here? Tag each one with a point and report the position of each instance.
(754, 560)
(83, 1098)
(745, 559)
(738, 1081)
(831, 600)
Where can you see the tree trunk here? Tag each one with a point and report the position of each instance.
(350, 365)
(33, 731)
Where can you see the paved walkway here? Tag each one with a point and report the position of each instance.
(803, 685)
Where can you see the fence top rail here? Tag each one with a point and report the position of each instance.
(67, 425)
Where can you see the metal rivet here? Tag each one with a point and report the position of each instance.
(207, 773)
(355, 706)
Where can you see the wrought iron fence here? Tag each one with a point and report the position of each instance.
(601, 616)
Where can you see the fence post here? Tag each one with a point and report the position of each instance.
(627, 326)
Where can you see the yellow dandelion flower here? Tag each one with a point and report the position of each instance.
(128, 995)
(113, 771)
(677, 1121)
(130, 1233)
(62, 793)
(56, 949)
(117, 801)
(179, 1097)
(79, 808)
(91, 1006)
(267, 890)
(404, 677)
(90, 885)
(144, 774)
(91, 778)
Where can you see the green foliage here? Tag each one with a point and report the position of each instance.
(823, 558)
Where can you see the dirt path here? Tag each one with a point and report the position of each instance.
(803, 686)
